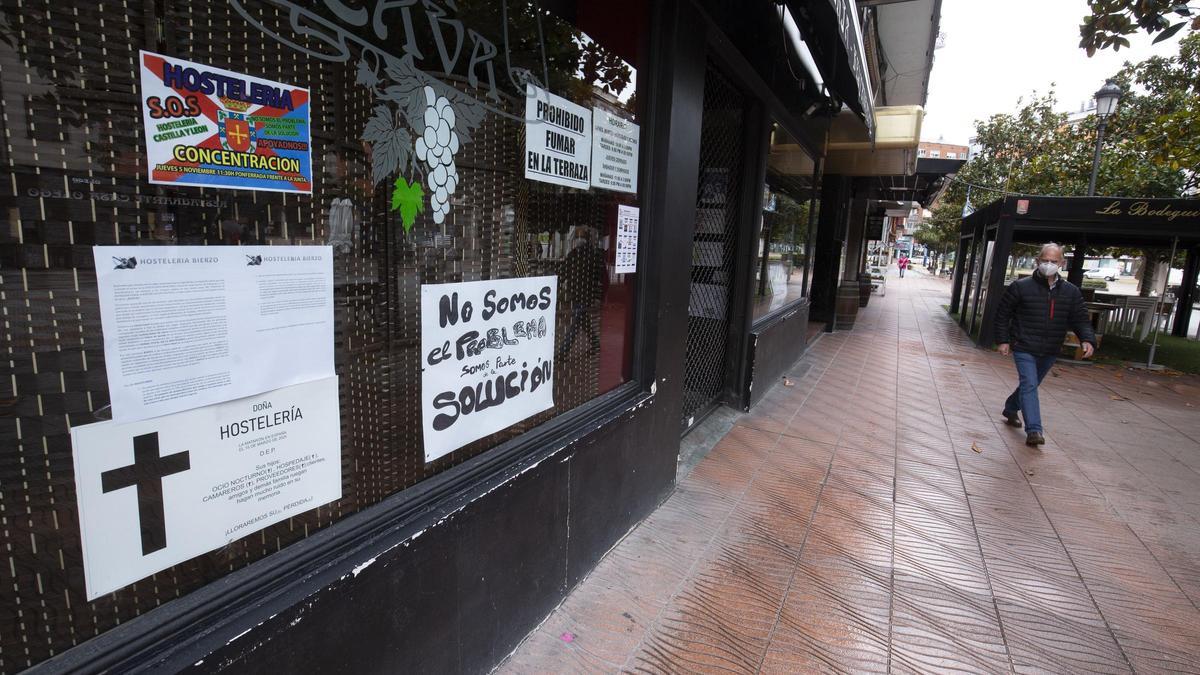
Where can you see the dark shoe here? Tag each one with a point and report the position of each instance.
(1012, 419)
(1034, 439)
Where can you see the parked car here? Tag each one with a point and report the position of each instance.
(1101, 273)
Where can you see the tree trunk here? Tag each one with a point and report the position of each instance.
(1145, 275)
(1139, 269)
(1154, 273)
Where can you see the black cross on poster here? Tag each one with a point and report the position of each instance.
(146, 474)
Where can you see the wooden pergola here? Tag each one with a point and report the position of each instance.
(987, 236)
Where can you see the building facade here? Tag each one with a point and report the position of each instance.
(349, 336)
(943, 151)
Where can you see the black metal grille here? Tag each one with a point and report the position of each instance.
(714, 243)
(73, 174)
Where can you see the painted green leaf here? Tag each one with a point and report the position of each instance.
(410, 199)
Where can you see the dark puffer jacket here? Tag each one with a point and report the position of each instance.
(1034, 318)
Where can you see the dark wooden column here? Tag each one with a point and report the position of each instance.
(994, 278)
(1187, 293)
(971, 286)
(757, 141)
(1075, 275)
(855, 238)
(960, 271)
(827, 250)
(848, 293)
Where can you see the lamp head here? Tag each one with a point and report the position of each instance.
(1107, 99)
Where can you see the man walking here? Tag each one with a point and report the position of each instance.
(1031, 323)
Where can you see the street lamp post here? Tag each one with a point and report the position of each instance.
(1106, 104)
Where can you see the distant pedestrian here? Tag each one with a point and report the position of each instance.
(1031, 323)
(583, 285)
(902, 263)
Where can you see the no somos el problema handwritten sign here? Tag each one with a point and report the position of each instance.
(487, 358)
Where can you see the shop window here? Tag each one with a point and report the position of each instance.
(399, 215)
(789, 212)
(38, 125)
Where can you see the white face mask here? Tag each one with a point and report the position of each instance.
(1048, 269)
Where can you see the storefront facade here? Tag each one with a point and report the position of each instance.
(491, 260)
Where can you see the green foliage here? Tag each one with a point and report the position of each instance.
(1161, 116)
(409, 198)
(573, 62)
(1150, 146)
(790, 224)
(940, 231)
(1112, 20)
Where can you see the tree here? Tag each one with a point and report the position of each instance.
(1112, 20)
(1150, 147)
(940, 232)
(1036, 151)
(1160, 115)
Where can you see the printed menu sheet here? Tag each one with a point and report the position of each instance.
(627, 239)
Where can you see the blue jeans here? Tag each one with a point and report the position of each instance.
(1032, 370)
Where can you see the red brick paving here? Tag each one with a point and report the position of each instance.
(878, 516)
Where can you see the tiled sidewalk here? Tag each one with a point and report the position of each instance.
(878, 516)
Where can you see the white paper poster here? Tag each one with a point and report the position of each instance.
(157, 492)
(187, 326)
(627, 239)
(558, 140)
(614, 152)
(487, 350)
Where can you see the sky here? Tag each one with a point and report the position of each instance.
(997, 52)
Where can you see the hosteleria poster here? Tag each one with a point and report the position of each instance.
(487, 358)
(215, 128)
(157, 492)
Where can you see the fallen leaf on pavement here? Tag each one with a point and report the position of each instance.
(1118, 397)
(1028, 472)
(787, 383)
(976, 448)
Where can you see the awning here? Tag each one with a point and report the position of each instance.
(892, 152)
(897, 127)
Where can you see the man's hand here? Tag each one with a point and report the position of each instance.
(1004, 349)
(1088, 350)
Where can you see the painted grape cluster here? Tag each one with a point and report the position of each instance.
(436, 147)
